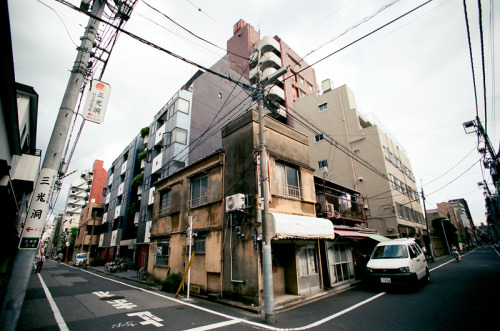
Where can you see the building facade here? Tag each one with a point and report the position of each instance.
(350, 150)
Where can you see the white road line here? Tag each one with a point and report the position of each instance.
(57, 314)
(215, 325)
(236, 320)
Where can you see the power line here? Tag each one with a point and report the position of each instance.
(190, 32)
(471, 58)
(455, 178)
(361, 38)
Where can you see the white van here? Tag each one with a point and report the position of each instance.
(81, 259)
(397, 261)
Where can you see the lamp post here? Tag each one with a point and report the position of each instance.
(445, 238)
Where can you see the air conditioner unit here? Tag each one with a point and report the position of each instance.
(235, 202)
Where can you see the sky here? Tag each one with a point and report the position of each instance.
(413, 75)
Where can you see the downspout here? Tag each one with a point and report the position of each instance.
(231, 250)
(348, 141)
(223, 219)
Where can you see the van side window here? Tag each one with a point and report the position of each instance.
(419, 250)
(413, 251)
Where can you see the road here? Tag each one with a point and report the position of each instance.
(461, 296)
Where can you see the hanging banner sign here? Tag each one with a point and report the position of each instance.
(97, 101)
(38, 210)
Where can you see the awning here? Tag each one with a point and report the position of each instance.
(302, 227)
(377, 237)
(350, 234)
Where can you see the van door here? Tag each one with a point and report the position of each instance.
(417, 261)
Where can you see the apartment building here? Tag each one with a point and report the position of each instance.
(86, 188)
(351, 150)
(220, 193)
(121, 203)
(89, 230)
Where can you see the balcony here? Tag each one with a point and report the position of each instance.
(289, 191)
(198, 200)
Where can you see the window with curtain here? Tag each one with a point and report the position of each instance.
(288, 181)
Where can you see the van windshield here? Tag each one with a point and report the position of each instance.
(81, 256)
(390, 252)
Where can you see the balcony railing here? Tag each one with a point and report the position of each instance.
(198, 200)
(289, 191)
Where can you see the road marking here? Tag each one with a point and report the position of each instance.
(236, 320)
(57, 314)
(215, 325)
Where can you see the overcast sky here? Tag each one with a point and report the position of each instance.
(414, 75)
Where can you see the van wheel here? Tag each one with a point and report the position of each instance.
(427, 276)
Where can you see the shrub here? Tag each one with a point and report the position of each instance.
(171, 283)
(137, 181)
(144, 131)
(142, 154)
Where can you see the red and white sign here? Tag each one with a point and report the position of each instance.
(97, 101)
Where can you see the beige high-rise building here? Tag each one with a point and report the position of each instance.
(353, 151)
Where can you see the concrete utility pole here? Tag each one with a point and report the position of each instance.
(39, 206)
(267, 263)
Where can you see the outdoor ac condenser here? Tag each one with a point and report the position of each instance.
(235, 202)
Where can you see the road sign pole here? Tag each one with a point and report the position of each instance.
(39, 206)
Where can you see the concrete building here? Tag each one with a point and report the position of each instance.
(89, 230)
(221, 194)
(121, 203)
(350, 150)
(87, 188)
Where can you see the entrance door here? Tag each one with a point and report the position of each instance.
(340, 263)
(307, 268)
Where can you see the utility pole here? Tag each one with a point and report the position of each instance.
(427, 224)
(39, 206)
(267, 264)
(190, 243)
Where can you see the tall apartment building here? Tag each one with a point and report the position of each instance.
(348, 149)
(87, 188)
(121, 203)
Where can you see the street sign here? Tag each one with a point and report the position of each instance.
(67, 243)
(96, 102)
(39, 207)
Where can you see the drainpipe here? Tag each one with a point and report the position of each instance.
(223, 219)
(231, 250)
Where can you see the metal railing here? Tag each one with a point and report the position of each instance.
(289, 191)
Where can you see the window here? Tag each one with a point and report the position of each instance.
(199, 244)
(323, 107)
(199, 188)
(288, 181)
(319, 137)
(179, 136)
(322, 164)
(165, 198)
(182, 105)
(162, 252)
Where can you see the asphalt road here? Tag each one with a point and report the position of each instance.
(461, 296)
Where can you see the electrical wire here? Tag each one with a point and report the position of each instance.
(65, 27)
(190, 32)
(471, 58)
(455, 178)
(483, 69)
(359, 39)
(459, 162)
(364, 20)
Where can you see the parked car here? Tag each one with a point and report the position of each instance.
(81, 259)
(399, 261)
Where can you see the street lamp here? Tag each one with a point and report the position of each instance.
(445, 238)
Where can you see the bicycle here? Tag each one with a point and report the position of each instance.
(142, 273)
